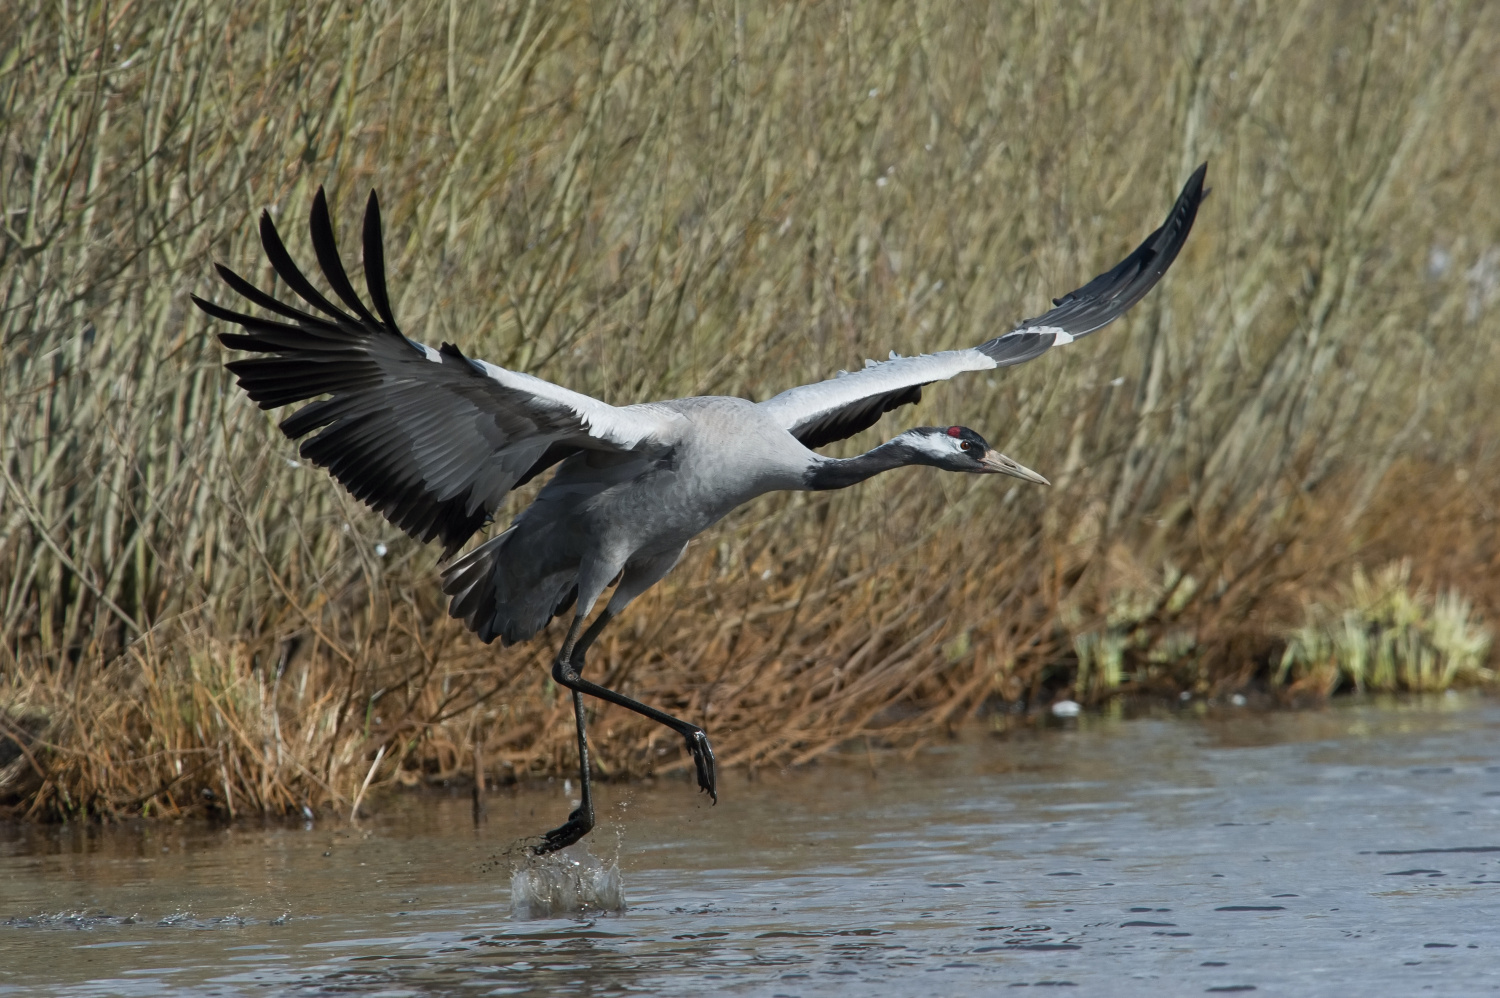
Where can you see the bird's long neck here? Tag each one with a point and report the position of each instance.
(839, 473)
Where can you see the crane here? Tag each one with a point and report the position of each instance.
(433, 440)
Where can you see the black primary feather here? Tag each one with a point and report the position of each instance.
(328, 258)
(286, 268)
(375, 263)
(1108, 296)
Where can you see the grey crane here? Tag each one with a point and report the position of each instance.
(433, 440)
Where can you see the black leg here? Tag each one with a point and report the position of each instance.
(581, 821)
(566, 673)
(586, 642)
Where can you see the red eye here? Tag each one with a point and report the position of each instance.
(965, 445)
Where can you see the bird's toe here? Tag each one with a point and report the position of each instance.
(703, 761)
(576, 827)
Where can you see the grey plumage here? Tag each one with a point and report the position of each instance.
(434, 440)
(593, 508)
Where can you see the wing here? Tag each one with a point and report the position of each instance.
(832, 410)
(430, 438)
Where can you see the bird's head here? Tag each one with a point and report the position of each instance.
(958, 448)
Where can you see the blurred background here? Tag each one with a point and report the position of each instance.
(1274, 479)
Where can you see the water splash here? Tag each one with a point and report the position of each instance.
(88, 920)
(571, 883)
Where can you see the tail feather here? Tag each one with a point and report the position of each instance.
(498, 595)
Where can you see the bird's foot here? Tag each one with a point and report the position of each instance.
(703, 760)
(579, 824)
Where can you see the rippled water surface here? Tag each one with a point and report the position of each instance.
(1352, 851)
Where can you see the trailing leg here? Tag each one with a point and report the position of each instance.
(638, 576)
(566, 673)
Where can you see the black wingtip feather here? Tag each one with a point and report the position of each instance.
(245, 289)
(1112, 293)
(374, 248)
(326, 247)
(229, 315)
(287, 269)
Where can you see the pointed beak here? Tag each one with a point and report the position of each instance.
(997, 463)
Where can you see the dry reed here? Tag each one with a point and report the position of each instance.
(652, 199)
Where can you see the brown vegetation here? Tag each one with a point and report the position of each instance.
(652, 199)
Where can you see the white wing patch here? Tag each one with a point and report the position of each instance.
(800, 405)
(625, 427)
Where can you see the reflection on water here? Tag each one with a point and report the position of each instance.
(1351, 851)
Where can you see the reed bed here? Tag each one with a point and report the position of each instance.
(655, 198)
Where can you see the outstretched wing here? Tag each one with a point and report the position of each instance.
(832, 410)
(430, 438)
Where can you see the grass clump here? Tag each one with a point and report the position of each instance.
(1146, 630)
(1387, 634)
(651, 199)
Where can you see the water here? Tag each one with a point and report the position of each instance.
(1353, 851)
(573, 882)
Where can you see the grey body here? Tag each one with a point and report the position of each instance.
(606, 513)
(653, 503)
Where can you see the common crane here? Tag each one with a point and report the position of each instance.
(433, 440)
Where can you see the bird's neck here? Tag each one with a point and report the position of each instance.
(839, 473)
